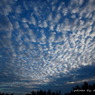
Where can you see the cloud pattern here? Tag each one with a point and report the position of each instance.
(41, 40)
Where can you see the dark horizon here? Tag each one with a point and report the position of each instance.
(84, 89)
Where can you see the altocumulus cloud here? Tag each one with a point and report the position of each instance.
(43, 41)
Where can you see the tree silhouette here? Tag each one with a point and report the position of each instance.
(49, 92)
(85, 89)
(6, 94)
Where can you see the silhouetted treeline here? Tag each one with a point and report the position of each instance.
(49, 92)
(6, 94)
(85, 89)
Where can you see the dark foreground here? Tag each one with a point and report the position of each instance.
(85, 89)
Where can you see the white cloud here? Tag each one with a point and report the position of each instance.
(19, 9)
(16, 25)
(50, 17)
(51, 26)
(25, 25)
(52, 37)
(53, 8)
(24, 20)
(57, 18)
(25, 5)
(65, 11)
(33, 20)
(5, 24)
(42, 39)
(45, 24)
(52, 54)
(31, 35)
(7, 10)
(42, 24)
(6, 7)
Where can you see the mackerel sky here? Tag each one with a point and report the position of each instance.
(46, 44)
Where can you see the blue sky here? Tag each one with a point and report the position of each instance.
(46, 44)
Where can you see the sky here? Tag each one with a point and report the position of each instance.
(46, 44)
